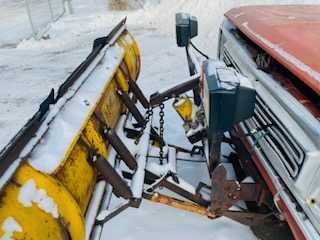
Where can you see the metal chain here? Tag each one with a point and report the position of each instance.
(147, 119)
(161, 123)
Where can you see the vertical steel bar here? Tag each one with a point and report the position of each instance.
(138, 177)
(93, 207)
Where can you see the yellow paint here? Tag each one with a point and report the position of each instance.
(71, 185)
(78, 176)
(184, 109)
(122, 84)
(110, 107)
(36, 223)
(183, 205)
(93, 137)
(130, 55)
(137, 54)
(121, 81)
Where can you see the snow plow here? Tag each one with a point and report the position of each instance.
(252, 115)
(47, 180)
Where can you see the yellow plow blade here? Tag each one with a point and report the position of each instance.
(50, 182)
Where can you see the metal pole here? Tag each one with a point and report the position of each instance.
(50, 10)
(67, 6)
(215, 151)
(34, 33)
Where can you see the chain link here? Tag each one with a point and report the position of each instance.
(161, 124)
(147, 119)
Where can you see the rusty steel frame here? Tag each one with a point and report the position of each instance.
(180, 204)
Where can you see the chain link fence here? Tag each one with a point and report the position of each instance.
(21, 19)
(42, 12)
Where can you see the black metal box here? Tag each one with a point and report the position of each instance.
(186, 28)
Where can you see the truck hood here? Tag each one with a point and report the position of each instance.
(289, 33)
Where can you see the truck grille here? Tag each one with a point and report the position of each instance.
(267, 132)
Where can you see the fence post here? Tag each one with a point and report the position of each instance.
(67, 6)
(30, 19)
(51, 10)
(38, 33)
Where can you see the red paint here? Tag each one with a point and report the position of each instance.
(295, 29)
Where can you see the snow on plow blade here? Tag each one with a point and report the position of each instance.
(47, 180)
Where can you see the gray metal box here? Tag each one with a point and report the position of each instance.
(228, 97)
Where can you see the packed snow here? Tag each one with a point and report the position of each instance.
(9, 226)
(30, 68)
(91, 82)
(29, 194)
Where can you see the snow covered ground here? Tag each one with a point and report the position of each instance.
(29, 70)
(13, 28)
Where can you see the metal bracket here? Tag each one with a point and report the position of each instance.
(179, 204)
(175, 186)
(109, 214)
(160, 97)
(111, 176)
(134, 88)
(120, 148)
(131, 107)
(226, 193)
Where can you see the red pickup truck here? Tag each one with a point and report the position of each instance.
(278, 48)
